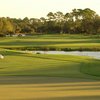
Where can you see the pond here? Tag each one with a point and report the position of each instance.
(83, 53)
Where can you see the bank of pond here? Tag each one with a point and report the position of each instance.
(92, 54)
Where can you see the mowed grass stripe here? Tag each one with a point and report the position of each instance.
(64, 77)
(65, 41)
(23, 93)
(50, 90)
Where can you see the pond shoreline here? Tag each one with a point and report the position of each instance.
(47, 48)
(92, 54)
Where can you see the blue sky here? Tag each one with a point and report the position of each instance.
(40, 8)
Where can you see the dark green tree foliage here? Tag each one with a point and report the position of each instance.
(84, 21)
(6, 26)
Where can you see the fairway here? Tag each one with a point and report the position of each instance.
(52, 42)
(48, 88)
(27, 76)
(48, 77)
(17, 63)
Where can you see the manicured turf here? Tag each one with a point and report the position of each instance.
(52, 41)
(16, 63)
(49, 77)
(48, 88)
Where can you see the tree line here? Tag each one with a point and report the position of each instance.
(78, 21)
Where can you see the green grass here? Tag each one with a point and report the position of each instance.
(48, 88)
(91, 68)
(48, 77)
(52, 41)
(49, 64)
(16, 63)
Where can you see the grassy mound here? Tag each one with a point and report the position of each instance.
(91, 68)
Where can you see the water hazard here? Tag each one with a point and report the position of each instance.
(78, 53)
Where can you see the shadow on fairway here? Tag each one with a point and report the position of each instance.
(68, 98)
(39, 80)
(48, 88)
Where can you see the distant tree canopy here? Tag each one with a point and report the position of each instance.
(80, 21)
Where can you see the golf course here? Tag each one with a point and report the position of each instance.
(52, 42)
(34, 76)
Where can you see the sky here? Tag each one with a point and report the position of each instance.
(40, 8)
